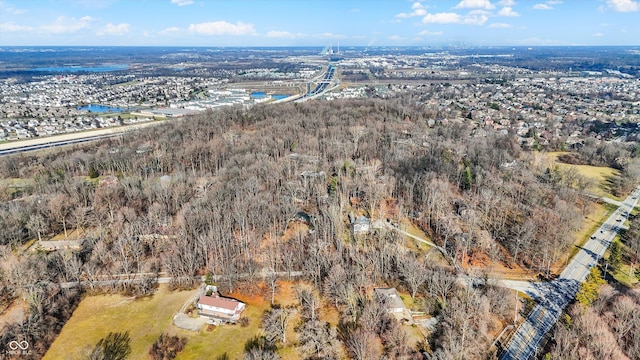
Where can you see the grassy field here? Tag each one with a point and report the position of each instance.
(147, 318)
(625, 273)
(435, 255)
(228, 339)
(599, 174)
(96, 316)
(591, 223)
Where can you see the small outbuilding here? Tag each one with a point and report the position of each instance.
(390, 298)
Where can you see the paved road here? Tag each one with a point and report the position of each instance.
(141, 277)
(62, 139)
(556, 295)
(322, 85)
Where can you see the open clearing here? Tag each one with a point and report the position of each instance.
(147, 318)
(96, 316)
(599, 174)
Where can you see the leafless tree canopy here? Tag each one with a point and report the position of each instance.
(214, 193)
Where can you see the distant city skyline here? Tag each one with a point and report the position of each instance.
(318, 23)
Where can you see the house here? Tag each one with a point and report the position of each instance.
(361, 225)
(219, 309)
(391, 299)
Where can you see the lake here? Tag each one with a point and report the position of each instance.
(95, 108)
(261, 95)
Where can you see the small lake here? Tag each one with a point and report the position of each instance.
(74, 68)
(262, 95)
(95, 108)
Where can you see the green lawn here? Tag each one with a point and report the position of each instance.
(147, 318)
(96, 316)
(624, 274)
(226, 338)
(601, 175)
(591, 223)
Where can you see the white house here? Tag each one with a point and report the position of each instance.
(219, 309)
(361, 225)
(391, 299)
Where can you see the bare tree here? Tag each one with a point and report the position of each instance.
(413, 273)
(318, 340)
(309, 302)
(275, 322)
(363, 345)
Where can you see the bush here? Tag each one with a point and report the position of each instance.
(115, 346)
(244, 321)
(167, 347)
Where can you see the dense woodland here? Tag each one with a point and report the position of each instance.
(215, 193)
(608, 329)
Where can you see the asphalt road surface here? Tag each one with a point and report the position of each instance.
(556, 295)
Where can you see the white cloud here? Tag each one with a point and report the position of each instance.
(418, 10)
(11, 10)
(542, 7)
(280, 34)
(599, 34)
(396, 38)
(355, 10)
(222, 28)
(475, 4)
(624, 5)
(169, 30)
(182, 2)
(68, 25)
(116, 30)
(331, 35)
(442, 18)
(506, 3)
(93, 4)
(547, 5)
(473, 18)
(430, 33)
(11, 27)
(507, 11)
(499, 25)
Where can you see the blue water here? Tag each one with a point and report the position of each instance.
(261, 95)
(103, 68)
(95, 108)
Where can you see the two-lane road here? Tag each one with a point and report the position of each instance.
(560, 292)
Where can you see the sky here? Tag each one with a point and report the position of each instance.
(319, 22)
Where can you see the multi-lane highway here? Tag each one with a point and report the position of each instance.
(39, 143)
(556, 295)
(322, 84)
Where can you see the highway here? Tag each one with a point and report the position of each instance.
(557, 294)
(322, 82)
(39, 143)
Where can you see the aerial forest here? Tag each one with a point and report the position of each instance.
(215, 193)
